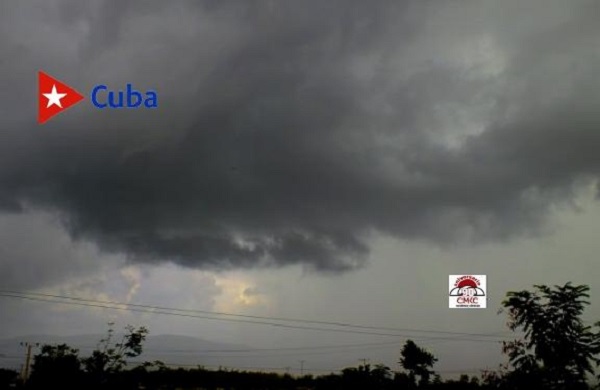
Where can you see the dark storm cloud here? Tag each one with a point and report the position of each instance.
(299, 129)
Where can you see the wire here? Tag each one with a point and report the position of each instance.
(225, 367)
(125, 307)
(171, 364)
(252, 350)
(182, 313)
(329, 370)
(197, 316)
(267, 352)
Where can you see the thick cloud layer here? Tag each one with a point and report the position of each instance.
(288, 133)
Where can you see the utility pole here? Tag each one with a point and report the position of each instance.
(29, 346)
(302, 367)
(364, 361)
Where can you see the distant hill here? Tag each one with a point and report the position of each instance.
(172, 349)
(189, 352)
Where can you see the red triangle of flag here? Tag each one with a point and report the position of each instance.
(54, 97)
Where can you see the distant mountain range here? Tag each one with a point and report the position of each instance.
(170, 349)
(190, 352)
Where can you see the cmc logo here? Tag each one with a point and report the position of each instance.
(55, 96)
(467, 291)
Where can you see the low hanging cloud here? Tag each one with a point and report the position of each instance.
(289, 133)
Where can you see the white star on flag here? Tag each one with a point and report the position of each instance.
(54, 97)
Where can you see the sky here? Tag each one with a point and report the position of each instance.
(318, 161)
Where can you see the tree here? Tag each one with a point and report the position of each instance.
(381, 374)
(365, 377)
(56, 366)
(110, 357)
(8, 378)
(557, 349)
(418, 362)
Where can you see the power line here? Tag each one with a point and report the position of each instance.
(251, 350)
(310, 348)
(185, 313)
(270, 352)
(286, 369)
(225, 367)
(256, 350)
(302, 368)
(133, 309)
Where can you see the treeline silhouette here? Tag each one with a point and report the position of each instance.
(145, 377)
(556, 351)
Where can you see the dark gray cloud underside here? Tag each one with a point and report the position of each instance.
(288, 161)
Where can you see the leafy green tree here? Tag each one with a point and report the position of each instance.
(418, 362)
(557, 350)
